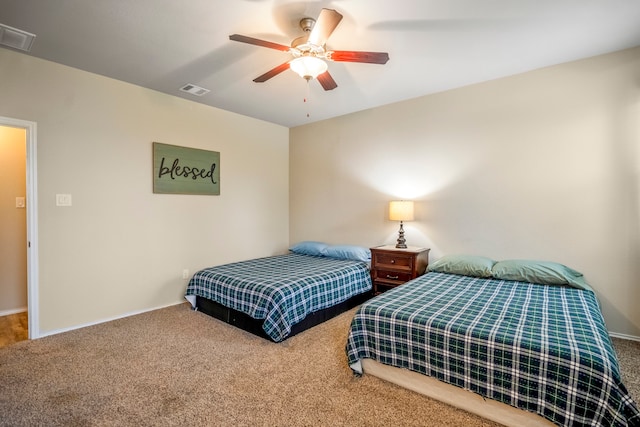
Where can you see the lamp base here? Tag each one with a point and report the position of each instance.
(402, 243)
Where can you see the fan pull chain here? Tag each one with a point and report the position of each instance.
(306, 99)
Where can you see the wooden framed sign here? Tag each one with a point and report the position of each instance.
(183, 170)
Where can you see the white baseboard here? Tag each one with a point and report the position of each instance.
(624, 336)
(59, 331)
(14, 311)
(71, 328)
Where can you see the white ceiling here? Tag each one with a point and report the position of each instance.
(434, 45)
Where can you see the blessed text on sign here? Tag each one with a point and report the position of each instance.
(183, 170)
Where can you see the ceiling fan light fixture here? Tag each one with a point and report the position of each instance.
(310, 51)
(308, 67)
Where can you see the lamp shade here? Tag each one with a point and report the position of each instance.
(308, 67)
(401, 210)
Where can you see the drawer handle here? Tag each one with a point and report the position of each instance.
(392, 277)
(393, 261)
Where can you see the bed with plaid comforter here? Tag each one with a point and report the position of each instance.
(281, 289)
(544, 349)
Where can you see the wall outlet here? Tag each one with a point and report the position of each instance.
(185, 273)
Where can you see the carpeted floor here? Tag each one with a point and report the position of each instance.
(176, 367)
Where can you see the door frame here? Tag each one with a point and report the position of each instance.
(33, 305)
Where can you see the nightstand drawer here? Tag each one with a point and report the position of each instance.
(391, 266)
(392, 260)
(397, 276)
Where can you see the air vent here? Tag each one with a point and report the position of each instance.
(16, 39)
(194, 90)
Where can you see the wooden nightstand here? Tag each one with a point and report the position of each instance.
(391, 267)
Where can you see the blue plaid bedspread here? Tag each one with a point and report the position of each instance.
(540, 348)
(281, 289)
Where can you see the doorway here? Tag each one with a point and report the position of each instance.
(25, 206)
(13, 232)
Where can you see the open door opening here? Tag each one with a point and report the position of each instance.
(20, 234)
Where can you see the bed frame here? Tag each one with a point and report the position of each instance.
(455, 396)
(249, 324)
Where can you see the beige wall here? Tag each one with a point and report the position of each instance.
(542, 165)
(13, 221)
(120, 248)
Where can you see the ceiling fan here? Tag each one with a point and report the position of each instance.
(310, 53)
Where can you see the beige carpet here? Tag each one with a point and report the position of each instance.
(176, 367)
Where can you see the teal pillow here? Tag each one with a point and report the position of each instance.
(309, 248)
(357, 253)
(466, 265)
(542, 272)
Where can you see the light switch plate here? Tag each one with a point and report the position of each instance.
(20, 202)
(63, 199)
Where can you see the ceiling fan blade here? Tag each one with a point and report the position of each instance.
(258, 42)
(353, 56)
(327, 81)
(324, 26)
(272, 73)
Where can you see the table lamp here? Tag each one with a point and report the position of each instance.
(401, 210)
